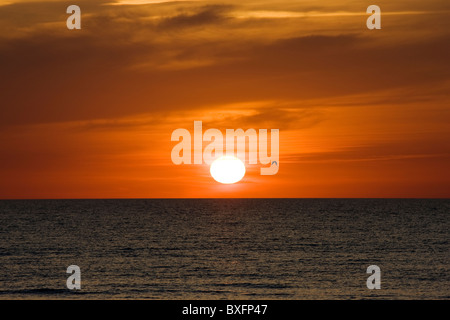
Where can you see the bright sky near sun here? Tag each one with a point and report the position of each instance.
(89, 113)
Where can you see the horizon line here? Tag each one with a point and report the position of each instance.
(242, 198)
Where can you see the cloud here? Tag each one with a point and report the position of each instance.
(204, 16)
(399, 150)
(316, 14)
(83, 78)
(130, 60)
(145, 2)
(272, 117)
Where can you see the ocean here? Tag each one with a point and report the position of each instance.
(225, 248)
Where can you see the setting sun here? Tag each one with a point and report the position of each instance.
(227, 169)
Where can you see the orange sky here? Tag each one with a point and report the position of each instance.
(89, 113)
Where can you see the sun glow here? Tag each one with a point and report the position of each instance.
(227, 169)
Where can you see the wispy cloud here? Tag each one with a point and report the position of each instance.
(315, 14)
(144, 2)
(206, 15)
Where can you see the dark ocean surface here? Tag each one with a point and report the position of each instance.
(225, 248)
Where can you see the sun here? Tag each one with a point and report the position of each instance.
(227, 169)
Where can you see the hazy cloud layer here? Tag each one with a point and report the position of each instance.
(121, 58)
